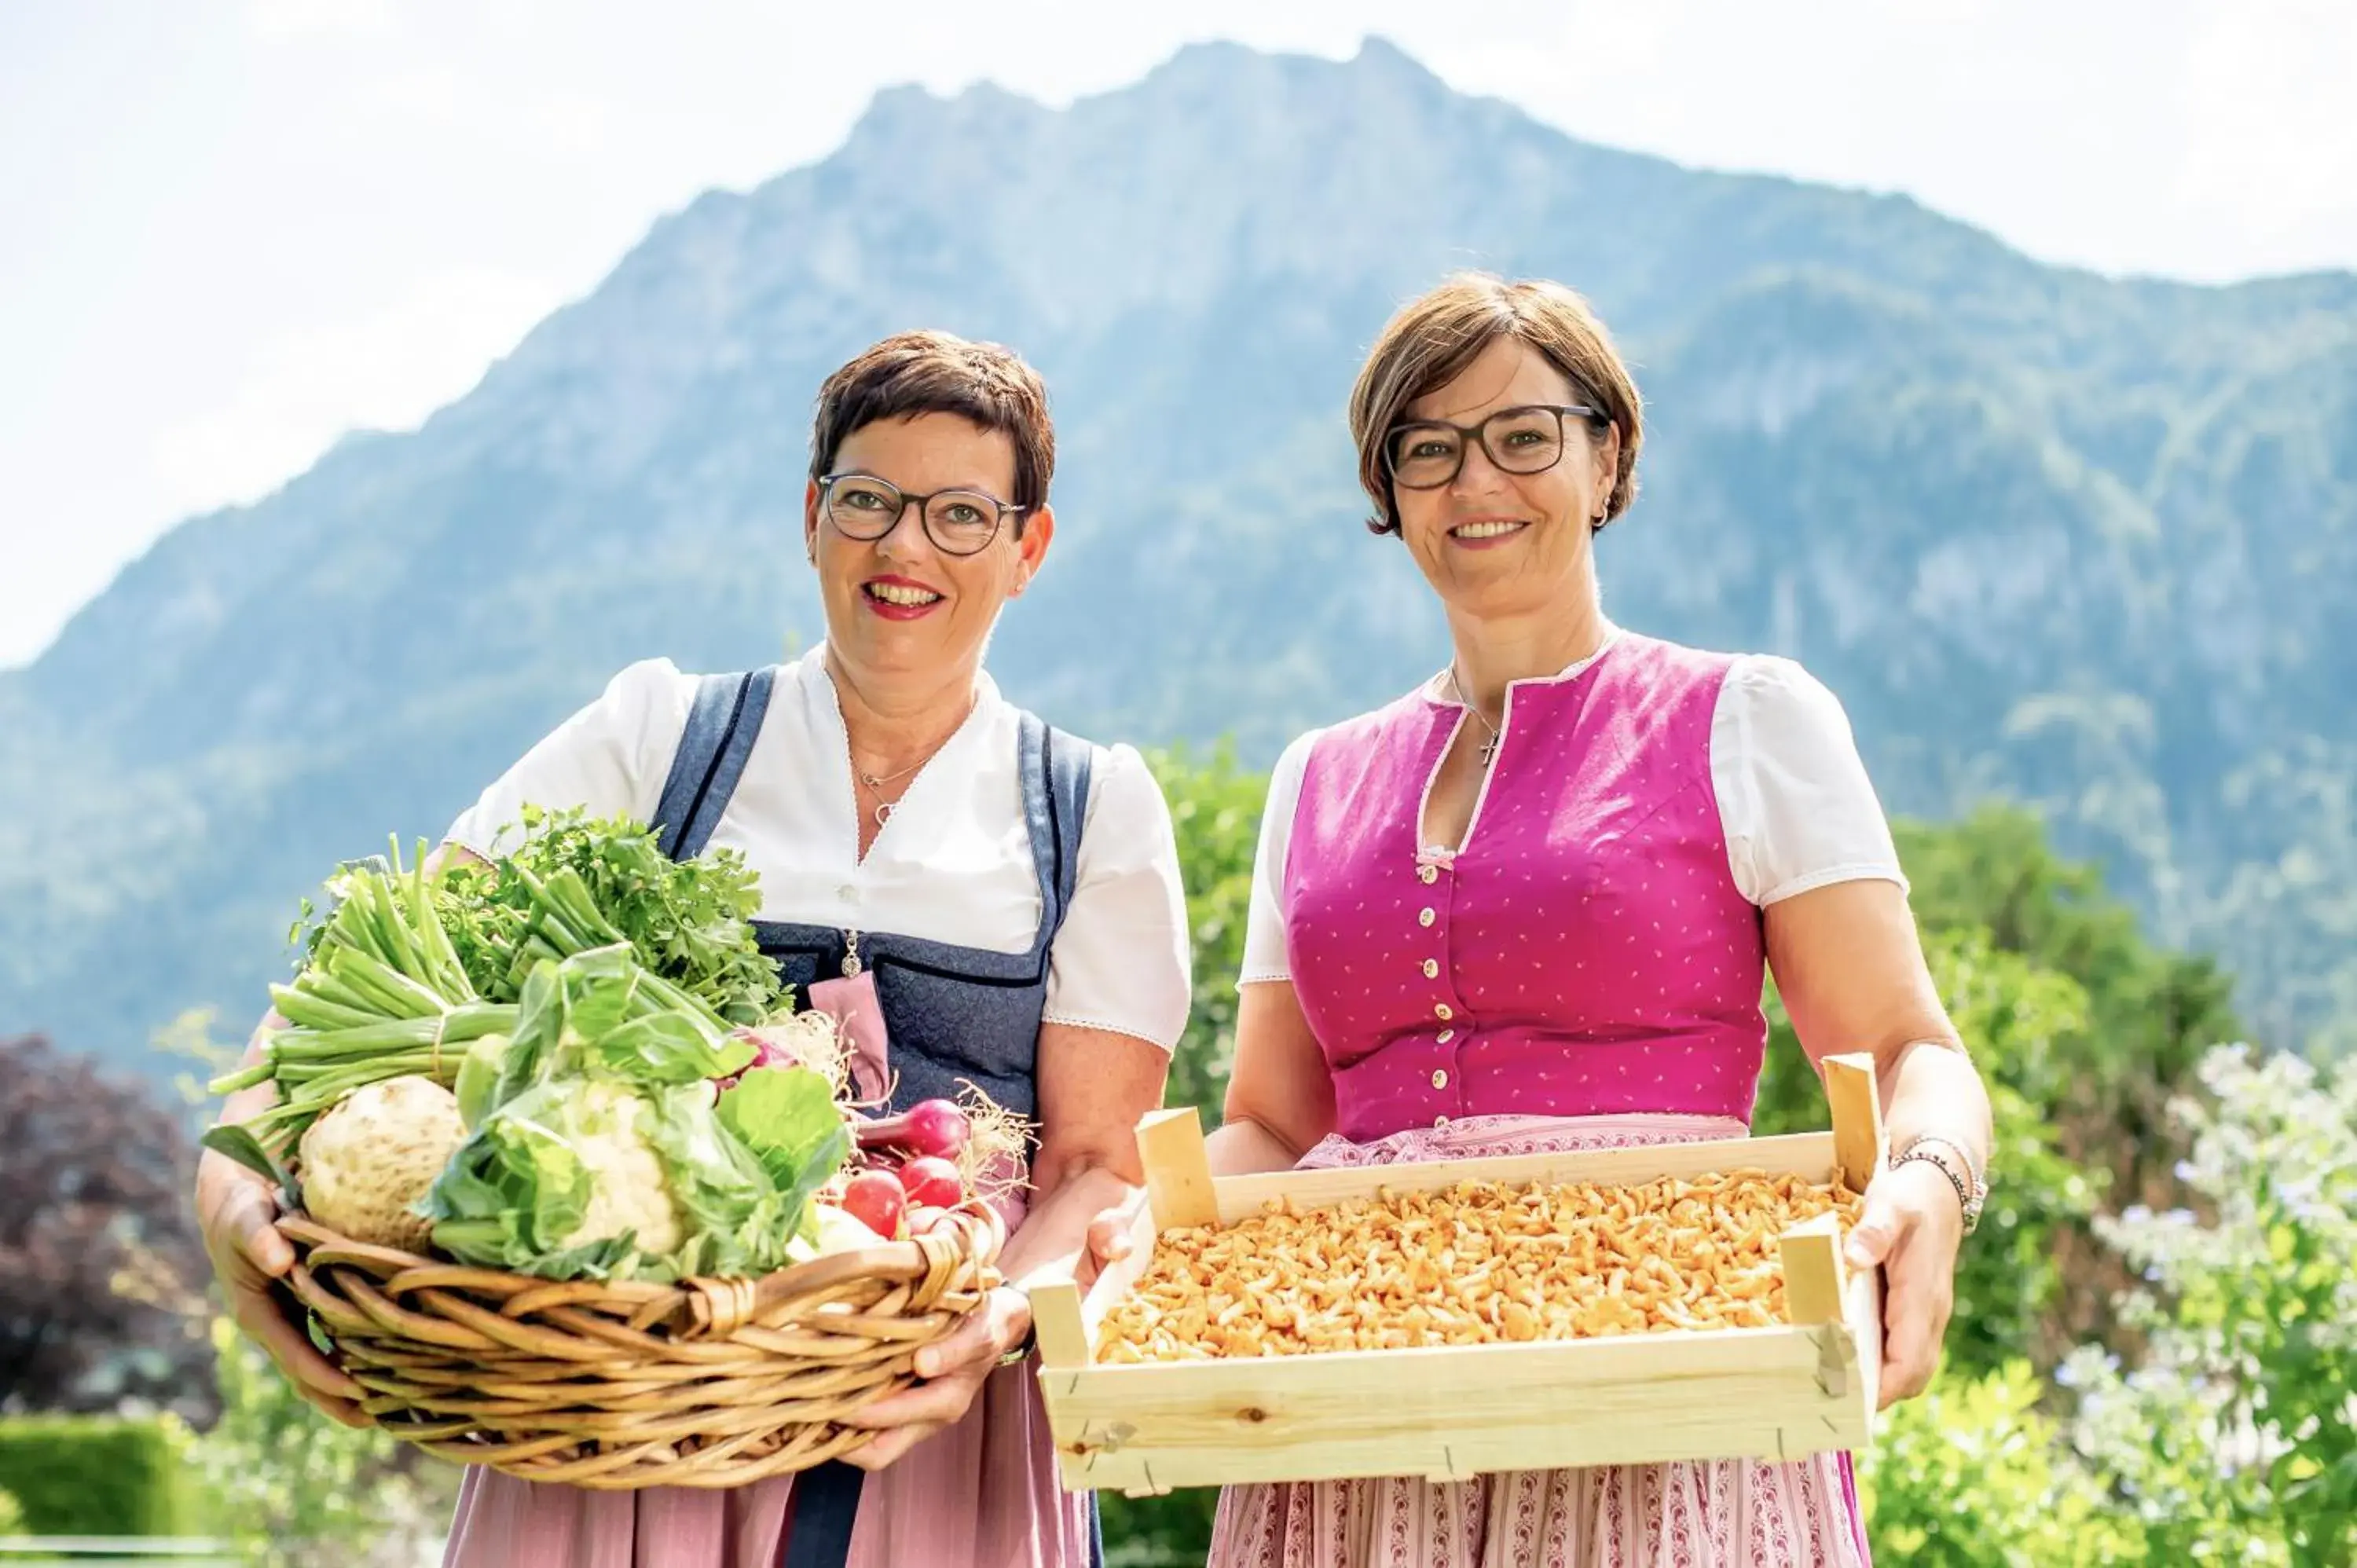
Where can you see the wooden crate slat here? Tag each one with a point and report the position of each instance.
(1178, 1185)
(1809, 1155)
(1856, 1116)
(1454, 1413)
(1813, 1276)
(1056, 1325)
(1862, 1312)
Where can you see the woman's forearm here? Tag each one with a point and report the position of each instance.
(1054, 1234)
(1244, 1148)
(1932, 1088)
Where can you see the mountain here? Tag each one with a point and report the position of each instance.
(2074, 539)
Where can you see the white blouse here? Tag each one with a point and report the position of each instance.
(1795, 801)
(952, 864)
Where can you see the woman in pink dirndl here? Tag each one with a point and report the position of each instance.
(1528, 906)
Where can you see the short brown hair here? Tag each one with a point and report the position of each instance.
(1431, 341)
(912, 373)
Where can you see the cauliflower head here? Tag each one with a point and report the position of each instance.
(628, 1188)
(368, 1161)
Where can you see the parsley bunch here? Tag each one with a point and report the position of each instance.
(578, 882)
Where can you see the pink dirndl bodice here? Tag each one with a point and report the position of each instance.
(1585, 952)
(1581, 972)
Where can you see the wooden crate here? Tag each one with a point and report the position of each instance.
(1449, 1413)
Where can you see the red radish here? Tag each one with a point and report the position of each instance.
(876, 1201)
(930, 1128)
(767, 1052)
(801, 1039)
(933, 1183)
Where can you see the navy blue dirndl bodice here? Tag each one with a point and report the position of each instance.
(951, 1013)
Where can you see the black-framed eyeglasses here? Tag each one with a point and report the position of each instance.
(959, 522)
(1427, 454)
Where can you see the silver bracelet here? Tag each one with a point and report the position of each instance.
(1972, 1172)
(1972, 1188)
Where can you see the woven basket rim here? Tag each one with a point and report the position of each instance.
(983, 1231)
(613, 1385)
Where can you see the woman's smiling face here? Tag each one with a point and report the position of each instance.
(900, 604)
(1493, 543)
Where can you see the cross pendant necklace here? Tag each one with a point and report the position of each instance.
(1489, 753)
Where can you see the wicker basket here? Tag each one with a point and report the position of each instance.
(617, 1385)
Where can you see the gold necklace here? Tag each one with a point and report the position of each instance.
(884, 809)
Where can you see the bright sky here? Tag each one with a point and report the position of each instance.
(231, 229)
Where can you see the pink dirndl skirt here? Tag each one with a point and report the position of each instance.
(1727, 1513)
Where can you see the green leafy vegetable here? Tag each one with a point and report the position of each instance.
(517, 1194)
(578, 996)
(598, 1149)
(478, 1078)
(601, 1014)
(578, 883)
(787, 1116)
(240, 1145)
(736, 1222)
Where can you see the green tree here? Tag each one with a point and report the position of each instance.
(2015, 1016)
(1215, 807)
(2150, 1013)
(294, 1489)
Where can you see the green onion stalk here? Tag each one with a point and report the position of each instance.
(384, 995)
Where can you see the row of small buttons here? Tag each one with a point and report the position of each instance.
(1429, 874)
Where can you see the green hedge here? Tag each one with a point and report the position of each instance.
(1173, 1530)
(85, 1476)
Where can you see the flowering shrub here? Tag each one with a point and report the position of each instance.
(1970, 1475)
(2235, 1436)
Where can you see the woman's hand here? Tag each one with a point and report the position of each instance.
(238, 1216)
(1911, 1226)
(951, 1374)
(1112, 1235)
